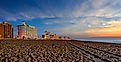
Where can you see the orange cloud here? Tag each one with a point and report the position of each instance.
(105, 31)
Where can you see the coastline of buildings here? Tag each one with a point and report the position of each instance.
(50, 36)
(25, 31)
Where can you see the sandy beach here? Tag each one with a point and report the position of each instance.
(58, 51)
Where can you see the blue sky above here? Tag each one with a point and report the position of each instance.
(74, 18)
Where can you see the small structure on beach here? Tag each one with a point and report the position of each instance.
(49, 36)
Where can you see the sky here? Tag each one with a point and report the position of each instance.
(73, 18)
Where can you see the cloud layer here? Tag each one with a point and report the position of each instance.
(75, 18)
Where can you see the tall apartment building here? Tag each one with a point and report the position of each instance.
(6, 30)
(25, 31)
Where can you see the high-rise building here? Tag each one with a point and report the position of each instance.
(6, 30)
(25, 31)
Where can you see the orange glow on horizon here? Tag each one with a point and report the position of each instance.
(105, 31)
(109, 34)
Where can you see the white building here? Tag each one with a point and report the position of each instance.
(25, 31)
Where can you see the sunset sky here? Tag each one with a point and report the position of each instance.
(74, 18)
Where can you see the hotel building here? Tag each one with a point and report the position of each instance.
(25, 31)
(6, 30)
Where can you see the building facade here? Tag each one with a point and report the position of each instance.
(25, 31)
(6, 30)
